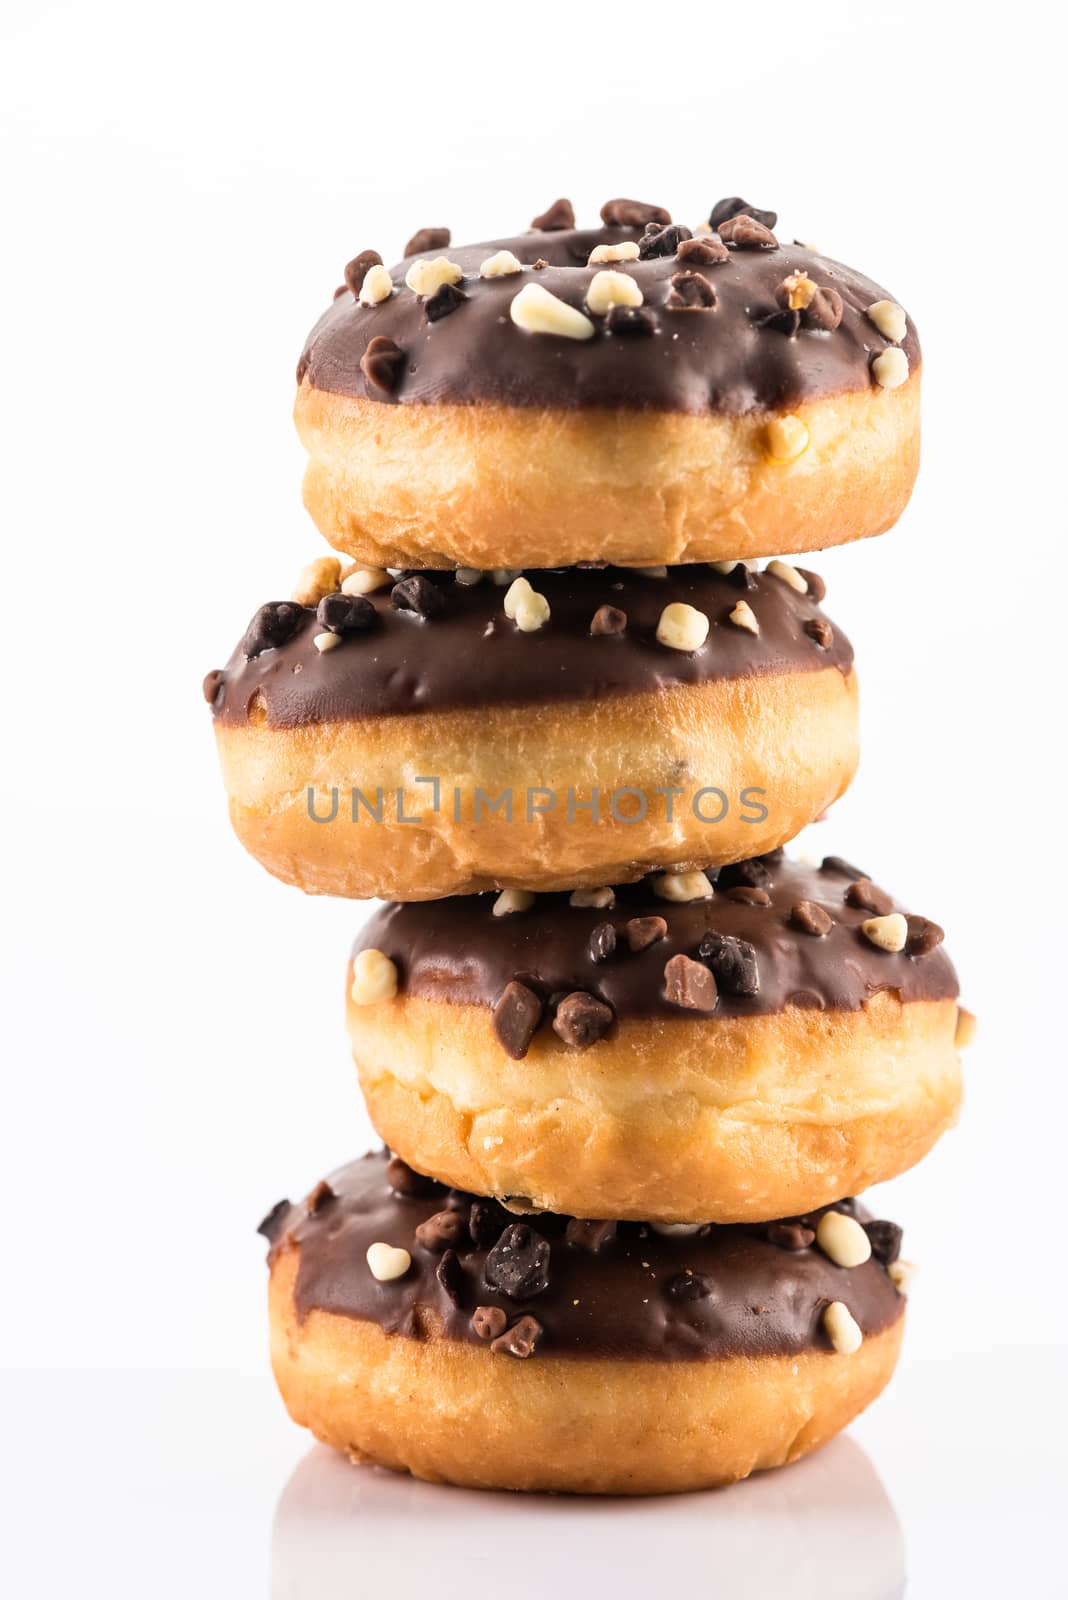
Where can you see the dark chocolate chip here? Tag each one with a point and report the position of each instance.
(346, 613)
(608, 619)
(703, 252)
(540, 264)
(443, 302)
(689, 984)
(744, 232)
(602, 942)
(320, 1196)
(819, 630)
(824, 311)
(581, 1019)
(753, 874)
(641, 932)
(733, 962)
(272, 626)
(489, 1322)
(341, 289)
(443, 1229)
(213, 682)
(741, 576)
(816, 586)
(451, 1276)
(632, 214)
(744, 894)
(840, 864)
(689, 1286)
(518, 1264)
(274, 1223)
(486, 1221)
(867, 896)
(924, 936)
(428, 239)
(382, 363)
(516, 1017)
(520, 1340)
(630, 322)
(560, 215)
(691, 292)
(790, 1235)
(814, 305)
(403, 1180)
(418, 594)
(359, 267)
(811, 918)
(586, 1234)
(885, 1240)
(724, 210)
(661, 239)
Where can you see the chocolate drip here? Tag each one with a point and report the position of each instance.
(471, 655)
(722, 1292)
(456, 950)
(733, 359)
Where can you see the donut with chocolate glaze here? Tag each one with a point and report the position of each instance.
(581, 1357)
(445, 750)
(748, 1054)
(611, 394)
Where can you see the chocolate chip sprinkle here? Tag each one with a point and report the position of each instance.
(745, 894)
(630, 322)
(703, 252)
(608, 619)
(213, 682)
(443, 1229)
(691, 292)
(885, 1240)
(559, 216)
(516, 1017)
(404, 1180)
(581, 1019)
(839, 864)
(602, 942)
(450, 1274)
(744, 232)
(320, 1196)
(733, 962)
(428, 239)
(790, 1235)
(869, 897)
(816, 586)
(688, 1286)
(819, 630)
(724, 210)
(811, 918)
(641, 932)
(443, 302)
(273, 625)
(273, 1225)
(486, 1221)
(520, 1340)
(751, 874)
(489, 1322)
(661, 239)
(924, 936)
(690, 985)
(632, 214)
(358, 268)
(418, 594)
(382, 363)
(584, 1233)
(518, 1264)
(346, 613)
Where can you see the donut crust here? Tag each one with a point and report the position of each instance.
(795, 736)
(487, 485)
(456, 1413)
(735, 1120)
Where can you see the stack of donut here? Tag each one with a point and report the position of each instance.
(561, 701)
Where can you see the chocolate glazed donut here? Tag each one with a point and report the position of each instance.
(627, 393)
(437, 748)
(667, 1050)
(427, 1330)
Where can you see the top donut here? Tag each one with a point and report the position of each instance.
(639, 392)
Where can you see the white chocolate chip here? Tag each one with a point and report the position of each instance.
(841, 1328)
(599, 899)
(376, 286)
(326, 641)
(518, 589)
(317, 579)
(728, 566)
(365, 580)
(966, 1026)
(682, 886)
(843, 1239)
(628, 251)
(891, 368)
(682, 627)
(531, 612)
(512, 900)
(786, 438)
(902, 1274)
(676, 1230)
(469, 576)
(424, 278)
(535, 310)
(788, 575)
(886, 933)
(742, 616)
(387, 1261)
(608, 289)
(502, 576)
(501, 265)
(374, 978)
(889, 318)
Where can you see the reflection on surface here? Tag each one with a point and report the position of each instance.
(824, 1527)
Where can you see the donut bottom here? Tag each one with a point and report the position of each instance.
(497, 486)
(695, 1120)
(450, 1412)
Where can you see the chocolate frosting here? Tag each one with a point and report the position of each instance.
(472, 655)
(457, 951)
(622, 1300)
(728, 360)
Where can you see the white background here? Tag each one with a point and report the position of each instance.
(184, 186)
